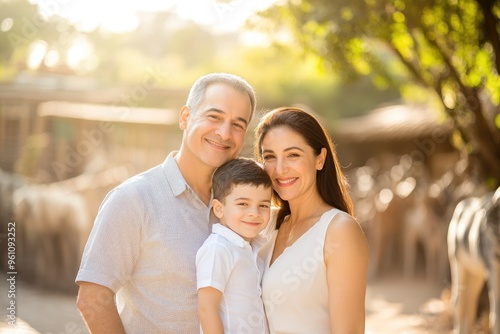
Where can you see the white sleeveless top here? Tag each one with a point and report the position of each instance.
(294, 287)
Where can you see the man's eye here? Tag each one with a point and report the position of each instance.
(240, 126)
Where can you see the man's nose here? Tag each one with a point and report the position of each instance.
(224, 130)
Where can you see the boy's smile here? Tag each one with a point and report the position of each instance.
(246, 210)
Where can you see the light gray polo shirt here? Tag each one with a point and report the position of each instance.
(143, 247)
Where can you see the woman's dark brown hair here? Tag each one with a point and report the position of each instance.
(330, 180)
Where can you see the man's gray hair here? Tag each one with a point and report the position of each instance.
(197, 92)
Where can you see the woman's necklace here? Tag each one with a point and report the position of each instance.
(291, 233)
(288, 237)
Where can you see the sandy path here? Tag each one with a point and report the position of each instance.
(396, 305)
(40, 311)
(393, 305)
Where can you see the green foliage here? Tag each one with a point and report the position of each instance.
(431, 38)
(284, 76)
(281, 75)
(450, 48)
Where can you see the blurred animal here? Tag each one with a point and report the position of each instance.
(363, 190)
(474, 255)
(53, 223)
(424, 226)
(386, 225)
(52, 226)
(8, 184)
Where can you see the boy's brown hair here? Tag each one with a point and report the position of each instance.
(235, 172)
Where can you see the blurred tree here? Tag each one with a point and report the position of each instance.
(29, 31)
(196, 44)
(285, 76)
(16, 27)
(449, 47)
(161, 40)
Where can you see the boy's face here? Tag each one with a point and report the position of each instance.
(246, 210)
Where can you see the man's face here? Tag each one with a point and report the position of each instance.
(214, 133)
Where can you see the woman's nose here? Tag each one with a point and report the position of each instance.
(281, 166)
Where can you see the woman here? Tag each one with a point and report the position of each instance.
(315, 279)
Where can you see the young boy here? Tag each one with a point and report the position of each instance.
(228, 268)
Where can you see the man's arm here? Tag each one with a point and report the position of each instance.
(97, 307)
(208, 310)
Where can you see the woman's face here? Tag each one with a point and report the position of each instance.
(291, 163)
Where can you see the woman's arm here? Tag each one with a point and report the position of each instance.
(346, 259)
(208, 310)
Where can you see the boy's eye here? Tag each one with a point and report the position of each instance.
(265, 206)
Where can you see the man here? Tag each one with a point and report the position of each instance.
(138, 270)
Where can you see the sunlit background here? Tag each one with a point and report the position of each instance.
(90, 92)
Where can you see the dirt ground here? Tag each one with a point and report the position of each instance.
(393, 304)
(410, 306)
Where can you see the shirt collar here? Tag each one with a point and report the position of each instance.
(236, 239)
(173, 174)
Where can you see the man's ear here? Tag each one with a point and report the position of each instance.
(217, 206)
(183, 117)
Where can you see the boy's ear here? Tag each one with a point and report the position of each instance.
(217, 206)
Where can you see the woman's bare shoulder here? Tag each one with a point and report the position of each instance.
(343, 220)
(344, 227)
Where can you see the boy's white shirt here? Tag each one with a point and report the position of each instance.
(230, 247)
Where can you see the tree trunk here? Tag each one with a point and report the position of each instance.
(486, 142)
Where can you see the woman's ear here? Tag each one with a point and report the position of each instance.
(217, 206)
(183, 117)
(320, 159)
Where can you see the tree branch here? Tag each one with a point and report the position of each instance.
(479, 134)
(413, 70)
(490, 28)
